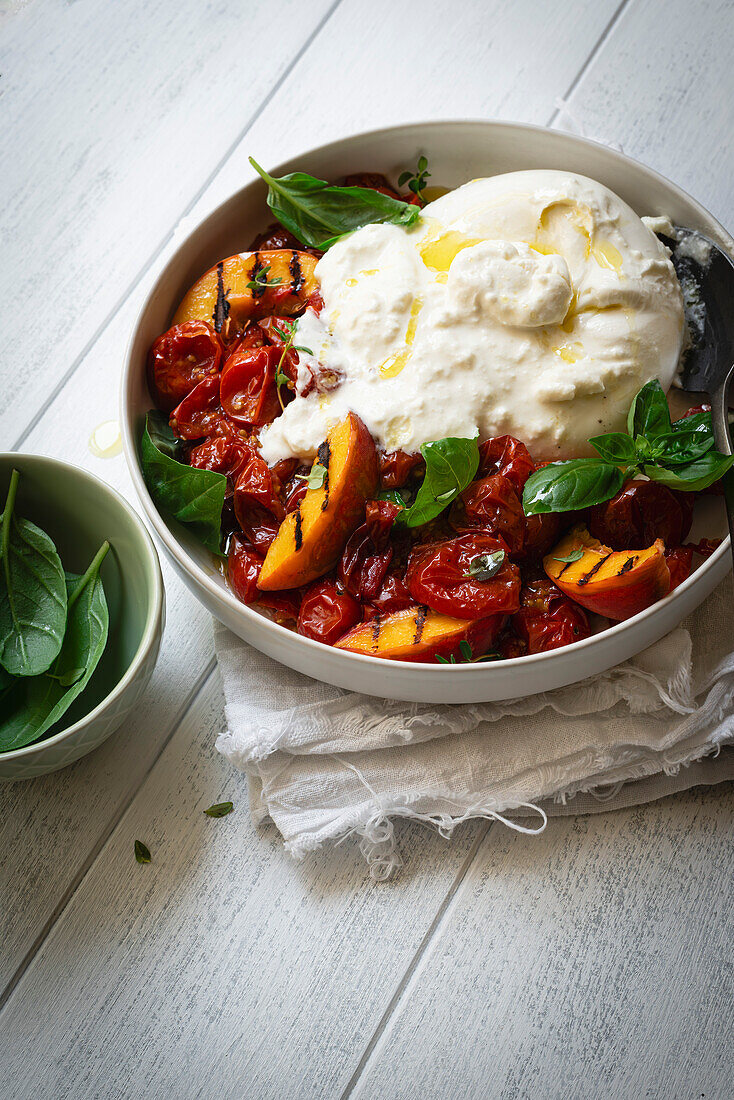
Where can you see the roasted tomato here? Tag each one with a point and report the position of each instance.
(373, 180)
(641, 512)
(541, 531)
(439, 575)
(508, 456)
(276, 237)
(397, 466)
(492, 504)
(679, 562)
(327, 612)
(615, 583)
(547, 619)
(368, 553)
(257, 506)
(248, 391)
(243, 569)
(180, 359)
(200, 412)
(223, 454)
(393, 596)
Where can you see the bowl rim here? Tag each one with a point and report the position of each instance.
(260, 622)
(154, 610)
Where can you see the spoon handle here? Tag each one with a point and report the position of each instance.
(720, 418)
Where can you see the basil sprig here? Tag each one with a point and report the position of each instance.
(194, 497)
(33, 704)
(451, 464)
(680, 455)
(32, 593)
(319, 213)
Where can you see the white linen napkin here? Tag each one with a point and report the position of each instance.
(325, 762)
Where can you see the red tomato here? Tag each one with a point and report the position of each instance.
(368, 552)
(396, 467)
(541, 532)
(248, 390)
(373, 180)
(295, 494)
(641, 512)
(327, 612)
(223, 454)
(180, 359)
(392, 596)
(258, 508)
(200, 413)
(694, 410)
(243, 569)
(706, 547)
(679, 563)
(547, 619)
(438, 575)
(276, 237)
(493, 505)
(508, 456)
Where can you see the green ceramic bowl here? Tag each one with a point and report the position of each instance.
(79, 512)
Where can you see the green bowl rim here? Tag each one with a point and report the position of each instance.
(155, 604)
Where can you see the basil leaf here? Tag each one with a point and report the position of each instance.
(318, 213)
(219, 809)
(699, 474)
(674, 448)
(569, 559)
(465, 649)
(485, 566)
(34, 704)
(649, 414)
(615, 447)
(315, 478)
(700, 422)
(142, 852)
(193, 497)
(567, 486)
(450, 466)
(32, 594)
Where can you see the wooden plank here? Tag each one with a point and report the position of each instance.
(661, 86)
(222, 967)
(114, 117)
(593, 961)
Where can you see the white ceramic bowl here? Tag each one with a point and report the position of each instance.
(457, 151)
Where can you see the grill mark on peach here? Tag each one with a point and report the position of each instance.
(629, 564)
(587, 576)
(221, 306)
(297, 531)
(565, 567)
(296, 273)
(420, 622)
(324, 455)
(376, 627)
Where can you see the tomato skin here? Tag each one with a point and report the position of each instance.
(327, 612)
(641, 512)
(397, 466)
(277, 237)
(694, 410)
(200, 413)
(679, 562)
(492, 504)
(436, 576)
(180, 359)
(392, 596)
(541, 532)
(368, 553)
(257, 506)
(248, 391)
(222, 454)
(375, 181)
(243, 569)
(503, 454)
(547, 619)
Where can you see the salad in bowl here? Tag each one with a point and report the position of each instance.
(432, 426)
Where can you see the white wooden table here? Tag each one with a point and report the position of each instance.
(594, 961)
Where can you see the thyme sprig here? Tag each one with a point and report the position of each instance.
(287, 328)
(416, 181)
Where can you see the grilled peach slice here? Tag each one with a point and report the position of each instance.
(419, 634)
(249, 286)
(310, 539)
(615, 583)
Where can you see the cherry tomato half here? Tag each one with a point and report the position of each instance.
(327, 612)
(392, 596)
(438, 575)
(397, 466)
(223, 454)
(641, 512)
(492, 504)
(243, 569)
(180, 359)
(503, 454)
(199, 413)
(248, 391)
(548, 619)
(679, 562)
(257, 506)
(368, 552)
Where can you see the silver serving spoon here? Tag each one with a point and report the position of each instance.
(706, 275)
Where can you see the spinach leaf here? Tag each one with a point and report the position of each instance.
(32, 594)
(689, 478)
(450, 466)
(194, 497)
(35, 703)
(566, 486)
(615, 447)
(649, 414)
(318, 213)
